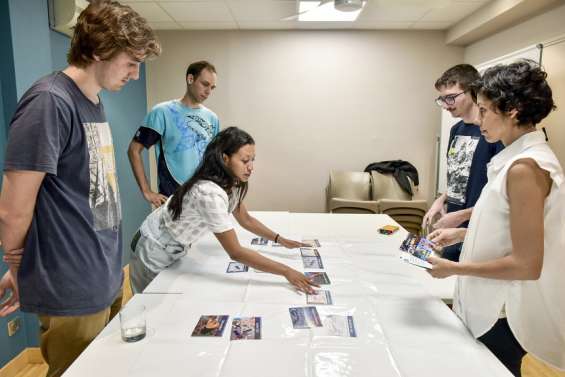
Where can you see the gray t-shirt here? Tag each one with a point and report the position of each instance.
(72, 257)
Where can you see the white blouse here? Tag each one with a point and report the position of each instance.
(205, 208)
(535, 309)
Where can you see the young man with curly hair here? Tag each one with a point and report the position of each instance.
(60, 205)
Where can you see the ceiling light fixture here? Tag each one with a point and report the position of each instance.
(328, 11)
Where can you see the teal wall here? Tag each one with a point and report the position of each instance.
(38, 51)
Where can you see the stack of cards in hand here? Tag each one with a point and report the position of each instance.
(416, 250)
(337, 325)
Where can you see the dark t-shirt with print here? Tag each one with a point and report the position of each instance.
(72, 254)
(468, 154)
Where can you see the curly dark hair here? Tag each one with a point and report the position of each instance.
(106, 28)
(462, 74)
(520, 86)
(213, 168)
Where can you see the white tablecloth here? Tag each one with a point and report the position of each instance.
(403, 327)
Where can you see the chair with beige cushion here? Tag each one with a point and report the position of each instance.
(350, 192)
(397, 203)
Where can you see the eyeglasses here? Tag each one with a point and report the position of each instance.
(448, 99)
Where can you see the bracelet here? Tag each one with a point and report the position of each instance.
(277, 238)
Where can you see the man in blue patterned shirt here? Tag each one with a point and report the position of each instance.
(180, 129)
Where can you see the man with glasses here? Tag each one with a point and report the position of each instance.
(467, 156)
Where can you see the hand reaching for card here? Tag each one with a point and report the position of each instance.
(300, 281)
(290, 244)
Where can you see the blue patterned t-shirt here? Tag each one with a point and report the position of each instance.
(185, 134)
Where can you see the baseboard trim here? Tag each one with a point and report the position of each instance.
(30, 355)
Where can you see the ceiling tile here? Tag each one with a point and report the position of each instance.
(210, 25)
(320, 25)
(452, 12)
(393, 13)
(198, 11)
(381, 25)
(261, 10)
(151, 11)
(171, 25)
(268, 25)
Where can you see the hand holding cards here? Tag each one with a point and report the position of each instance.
(416, 250)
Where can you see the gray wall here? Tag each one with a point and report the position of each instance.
(316, 101)
(546, 27)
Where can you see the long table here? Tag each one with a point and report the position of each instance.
(403, 327)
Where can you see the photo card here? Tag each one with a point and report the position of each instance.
(320, 278)
(309, 252)
(312, 242)
(312, 262)
(305, 317)
(259, 241)
(210, 325)
(246, 328)
(237, 267)
(340, 325)
(416, 250)
(320, 297)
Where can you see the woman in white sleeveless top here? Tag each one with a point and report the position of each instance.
(511, 277)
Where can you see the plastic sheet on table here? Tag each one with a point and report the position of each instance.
(373, 361)
(187, 359)
(467, 359)
(420, 321)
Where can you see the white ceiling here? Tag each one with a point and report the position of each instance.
(268, 14)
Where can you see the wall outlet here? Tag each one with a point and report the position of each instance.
(14, 325)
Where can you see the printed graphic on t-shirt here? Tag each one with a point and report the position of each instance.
(195, 132)
(104, 193)
(459, 160)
